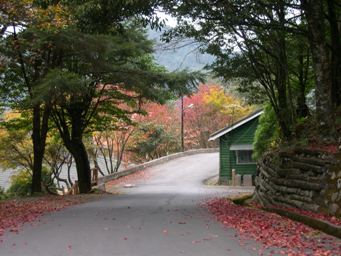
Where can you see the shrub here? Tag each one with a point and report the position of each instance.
(267, 133)
(22, 181)
(3, 194)
(20, 184)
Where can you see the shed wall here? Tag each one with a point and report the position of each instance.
(241, 135)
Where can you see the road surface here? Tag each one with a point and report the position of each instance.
(158, 217)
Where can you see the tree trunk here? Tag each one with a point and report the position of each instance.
(335, 35)
(78, 151)
(74, 143)
(321, 63)
(284, 108)
(37, 167)
(302, 108)
(39, 132)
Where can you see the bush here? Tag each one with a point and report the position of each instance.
(267, 133)
(3, 194)
(22, 181)
(154, 141)
(20, 184)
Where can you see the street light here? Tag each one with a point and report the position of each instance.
(182, 121)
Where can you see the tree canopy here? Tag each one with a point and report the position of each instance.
(82, 66)
(70, 62)
(286, 46)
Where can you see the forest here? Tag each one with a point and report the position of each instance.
(78, 80)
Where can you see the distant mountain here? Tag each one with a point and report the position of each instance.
(182, 55)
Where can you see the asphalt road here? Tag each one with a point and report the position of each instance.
(158, 217)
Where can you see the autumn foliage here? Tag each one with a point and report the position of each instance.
(15, 213)
(205, 111)
(272, 231)
(213, 109)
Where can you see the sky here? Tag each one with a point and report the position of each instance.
(170, 21)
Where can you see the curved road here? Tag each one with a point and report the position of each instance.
(157, 217)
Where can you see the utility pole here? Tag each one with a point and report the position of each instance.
(182, 125)
(182, 110)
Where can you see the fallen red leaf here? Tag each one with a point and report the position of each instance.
(273, 231)
(14, 213)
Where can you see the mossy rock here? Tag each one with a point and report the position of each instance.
(242, 199)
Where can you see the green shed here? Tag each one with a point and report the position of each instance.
(236, 148)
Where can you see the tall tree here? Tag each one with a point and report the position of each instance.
(27, 60)
(99, 74)
(258, 30)
(325, 44)
(33, 54)
(262, 34)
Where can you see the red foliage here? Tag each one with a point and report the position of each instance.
(159, 114)
(320, 216)
(201, 119)
(162, 125)
(330, 148)
(14, 213)
(273, 231)
(204, 112)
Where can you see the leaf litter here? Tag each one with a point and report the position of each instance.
(16, 212)
(277, 235)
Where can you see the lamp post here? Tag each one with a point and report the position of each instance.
(182, 121)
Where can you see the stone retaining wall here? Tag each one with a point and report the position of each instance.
(130, 170)
(300, 178)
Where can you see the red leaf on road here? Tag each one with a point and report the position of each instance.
(272, 230)
(196, 241)
(14, 213)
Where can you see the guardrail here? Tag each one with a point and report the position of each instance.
(161, 160)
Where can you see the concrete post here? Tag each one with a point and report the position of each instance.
(247, 180)
(233, 177)
(238, 180)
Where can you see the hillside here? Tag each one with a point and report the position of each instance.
(173, 57)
